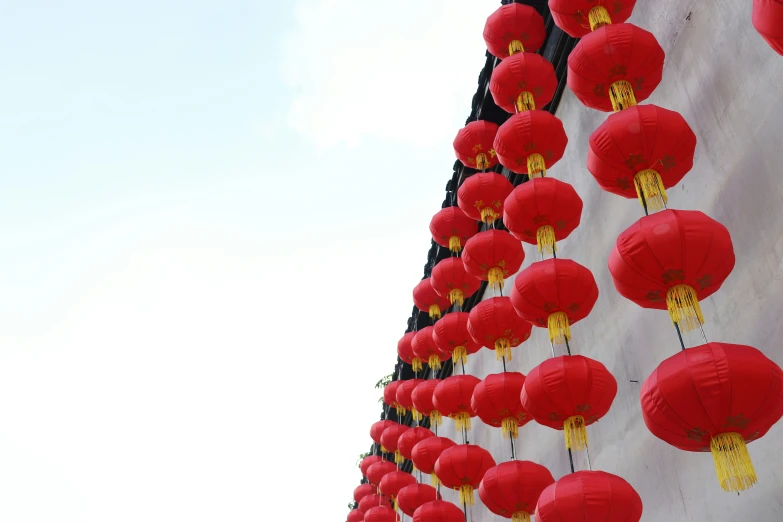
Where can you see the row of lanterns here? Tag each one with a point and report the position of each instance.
(668, 260)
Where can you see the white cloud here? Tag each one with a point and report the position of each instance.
(403, 71)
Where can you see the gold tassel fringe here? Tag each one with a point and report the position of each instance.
(400, 410)
(510, 428)
(495, 278)
(536, 166)
(394, 503)
(488, 215)
(515, 46)
(482, 162)
(384, 450)
(520, 516)
(598, 17)
(650, 185)
(434, 480)
(434, 311)
(559, 329)
(525, 101)
(460, 354)
(415, 414)
(545, 239)
(434, 361)
(436, 419)
(575, 433)
(466, 495)
(416, 364)
(503, 349)
(622, 96)
(684, 307)
(732, 462)
(456, 296)
(398, 458)
(454, 244)
(462, 421)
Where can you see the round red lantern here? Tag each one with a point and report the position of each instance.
(451, 280)
(410, 438)
(614, 67)
(542, 212)
(474, 145)
(451, 336)
(425, 454)
(568, 393)
(389, 439)
(640, 152)
(452, 228)
(368, 461)
(362, 491)
(768, 21)
(393, 482)
(355, 515)
(579, 17)
(523, 82)
(452, 398)
(422, 401)
(405, 351)
(376, 430)
(496, 401)
(492, 256)
(404, 399)
(390, 397)
(424, 348)
(427, 300)
(514, 28)
(438, 511)
(670, 261)
(462, 467)
(377, 471)
(716, 397)
(410, 498)
(494, 323)
(371, 501)
(481, 196)
(381, 514)
(531, 142)
(555, 294)
(511, 489)
(589, 496)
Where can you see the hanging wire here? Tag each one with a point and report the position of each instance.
(679, 334)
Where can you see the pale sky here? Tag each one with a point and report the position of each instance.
(212, 216)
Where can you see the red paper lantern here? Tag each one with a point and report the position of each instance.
(379, 470)
(511, 489)
(381, 514)
(410, 438)
(496, 401)
(670, 261)
(568, 393)
(371, 501)
(355, 515)
(589, 496)
(438, 511)
(494, 324)
(363, 490)
(462, 467)
(492, 256)
(530, 142)
(579, 17)
(425, 454)
(451, 280)
(370, 459)
(716, 397)
(427, 300)
(422, 401)
(404, 399)
(389, 439)
(523, 82)
(614, 67)
(452, 228)
(405, 351)
(474, 145)
(640, 152)
(555, 294)
(768, 21)
(451, 335)
(390, 397)
(410, 498)
(376, 430)
(542, 212)
(424, 348)
(393, 482)
(514, 28)
(481, 196)
(452, 398)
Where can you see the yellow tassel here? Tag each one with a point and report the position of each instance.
(454, 244)
(384, 450)
(559, 329)
(400, 410)
(525, 101)
(482, 163)
(460, 354)
(503, 349)
(536, 166)
(515, 46)
(416, 364)
(434, 362)
(436, 419)
(495, 278)
(466, 495)
(415, 414)
(462, 420)
(520, 516)
(598, 17)
(398, 458)
(434, 311)
(545, 238)
(732, 462)
(434, 480)
(394, 502)
(575, 433)
(648, 183)
(456, 296)
(622, 96)
(488, 215)
(684, 307)
(510, 428)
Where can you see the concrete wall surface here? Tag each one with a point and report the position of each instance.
(728, 84)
